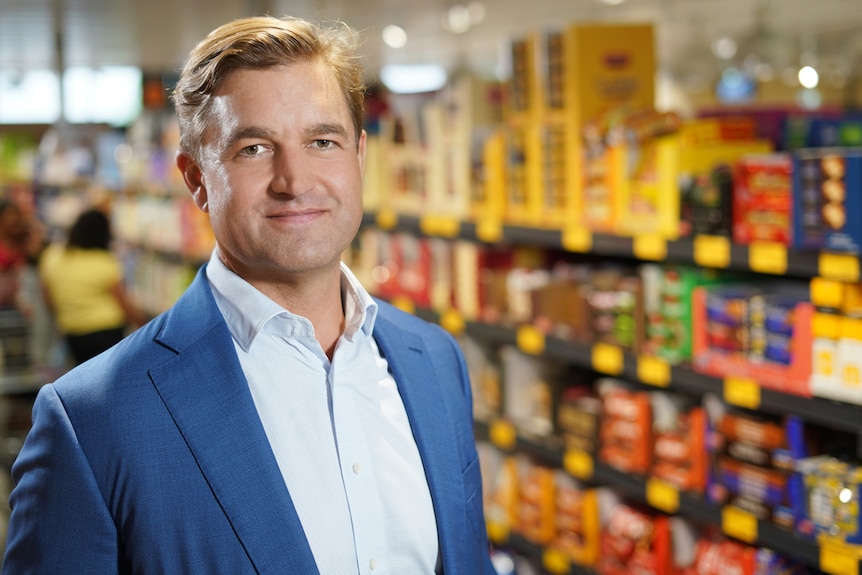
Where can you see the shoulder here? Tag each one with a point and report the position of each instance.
(125, 364)
(397, 323)
(50, 255)
(391, 317)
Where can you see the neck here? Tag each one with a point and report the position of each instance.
(317, 299)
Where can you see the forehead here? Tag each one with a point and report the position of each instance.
(292, 90)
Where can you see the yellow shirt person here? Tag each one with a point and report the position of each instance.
(83, 285)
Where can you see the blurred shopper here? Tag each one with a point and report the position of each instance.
(13, 251)
(83, 285)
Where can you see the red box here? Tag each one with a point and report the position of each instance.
(763, 199)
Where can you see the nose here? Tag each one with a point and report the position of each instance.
(291, 174)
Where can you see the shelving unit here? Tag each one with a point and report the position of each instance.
(836, 415)
(640, 489)
(649, 373)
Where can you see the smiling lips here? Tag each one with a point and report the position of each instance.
(297, 214)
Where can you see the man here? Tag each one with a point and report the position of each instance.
(276, 419)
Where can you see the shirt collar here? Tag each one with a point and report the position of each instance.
(246, 310)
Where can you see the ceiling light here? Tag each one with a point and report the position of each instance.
(724, 48)
(612, 2)
(413, 79)
(394, 36)
(808, 77)
(457, 19)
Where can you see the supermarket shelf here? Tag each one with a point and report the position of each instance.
(770, 259)
(634, 487)
(833, 414)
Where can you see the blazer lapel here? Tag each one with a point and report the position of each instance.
(425, 408)
(207, 394)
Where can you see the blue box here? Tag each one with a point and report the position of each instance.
(827, 199)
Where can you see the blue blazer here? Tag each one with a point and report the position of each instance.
(151, 458)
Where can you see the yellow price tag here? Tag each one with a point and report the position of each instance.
(827, 292)
(742, 392)
(712, 251)
(430, 225)
(767, 257)
(577, 239)
(578, 464)
(838, 266)
(404, 304)
(489, 230)
(452, 321)
(555, 561)
(530, 340)
(387, 219)
(450, 227)
(649, 247)
(662, 495)
(738, 524)
(503, 434)
(497, 532)
(838, 561)
(653, 371)
(607, 358)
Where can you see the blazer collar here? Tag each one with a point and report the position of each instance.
(206, 392)
(426, 409)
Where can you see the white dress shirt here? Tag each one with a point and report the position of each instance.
(338, 430)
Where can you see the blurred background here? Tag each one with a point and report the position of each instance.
(531, 166)
(107, 42)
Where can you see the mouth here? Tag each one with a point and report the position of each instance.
(296, 215)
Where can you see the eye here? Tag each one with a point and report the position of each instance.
(252, 150)
(323, 144)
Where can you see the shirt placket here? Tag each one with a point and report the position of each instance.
(358, 471)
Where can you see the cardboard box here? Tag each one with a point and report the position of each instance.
(827, 188)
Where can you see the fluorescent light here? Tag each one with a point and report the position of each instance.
(413, 79)
(31, 97)
(111, 94)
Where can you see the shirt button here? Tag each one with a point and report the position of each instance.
(373, 564)
(356, 469)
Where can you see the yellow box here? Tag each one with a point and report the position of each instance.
(561, 81)
(609, 71)
(648, 196)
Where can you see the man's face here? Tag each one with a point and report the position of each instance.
(280, 172)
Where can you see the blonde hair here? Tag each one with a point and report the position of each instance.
(258, 43)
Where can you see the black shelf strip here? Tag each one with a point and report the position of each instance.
(800, 264)
(534, 553)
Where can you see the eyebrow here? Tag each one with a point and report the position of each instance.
(324, 129)
(248, 133)
(252, 132)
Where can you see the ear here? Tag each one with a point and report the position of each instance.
(193, 178)
(361, 151)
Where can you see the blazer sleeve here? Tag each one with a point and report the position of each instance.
(59, 521)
